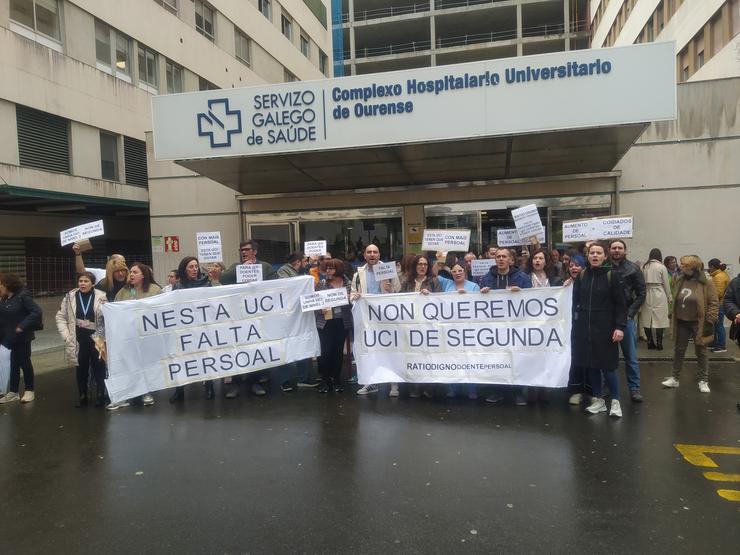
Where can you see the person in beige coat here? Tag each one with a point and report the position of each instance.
(654, 311)
(695, 309)
(76, 324)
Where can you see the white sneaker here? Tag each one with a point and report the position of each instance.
(575, 399)
(147, 400)
(10, 397)
(394, 390)
(116, 406)
(597, 405)
(670, 382)
(616, 409)
(704, 387)
(28, 396)
(367, 389)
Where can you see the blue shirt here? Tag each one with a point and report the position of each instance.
(448, 285)
(373, 285)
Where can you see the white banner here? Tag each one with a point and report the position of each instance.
(613, 227)
(481, 266)
(192, 335)
(247, 273)
(510, 238)
(500, 337)
(84, 231)
(209, 247)
(446, 240)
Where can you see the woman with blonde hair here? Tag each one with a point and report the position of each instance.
(116, 277)
(695, 309)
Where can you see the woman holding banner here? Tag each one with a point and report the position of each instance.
(334, 324)
(76, 321)
(578, 377)
(599, 320)
(190, 278)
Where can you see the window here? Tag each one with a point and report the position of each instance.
(699, 59)
(204, 19)
(43, 140)
(170, 5)
(650, 31)
(109, 156)
(206, 85)
(305, 46)
(699, 46)
(40, 15)
(242, 47)
(102, 43)
(288, 77)
(134, 153)
(174, 77)
(286, 26)
(147, 66)
(123, 53)
(323, 63)
(685, 74)
(265, 7)
(659, 17)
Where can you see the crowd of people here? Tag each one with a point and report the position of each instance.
(614, 302)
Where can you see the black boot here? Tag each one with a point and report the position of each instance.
(659, 345)
(179, 395)
(82, 401)
(210, 394)
(649, 334)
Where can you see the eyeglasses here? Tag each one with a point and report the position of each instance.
(246, 249)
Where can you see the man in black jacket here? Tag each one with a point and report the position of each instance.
(731, 306)
(634, 289)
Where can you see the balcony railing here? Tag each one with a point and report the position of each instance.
(390, 11)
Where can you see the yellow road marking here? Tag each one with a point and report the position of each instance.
(696, 454)
(729, 494)
(722, 477)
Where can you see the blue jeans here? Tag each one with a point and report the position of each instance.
(720, 340)
(629, 350)
(610, 377)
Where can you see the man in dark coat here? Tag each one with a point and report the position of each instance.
(634, 290)
(248, 255)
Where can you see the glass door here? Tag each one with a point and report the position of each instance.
(276, 240)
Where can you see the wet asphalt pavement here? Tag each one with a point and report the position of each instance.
(304, 472)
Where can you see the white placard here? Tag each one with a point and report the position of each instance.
(327, 298)
(385, 270)
(502, 337)
(192, 335)
(613, 227)
(247, 273)
(481, 266)
(510, 238)
(209, 246)
(314, 248)
(527, 221)
(446, 240)
(84, 231)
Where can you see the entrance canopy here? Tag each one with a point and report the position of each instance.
(534, 116)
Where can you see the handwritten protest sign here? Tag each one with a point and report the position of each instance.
(209, 246)
(84, 231)
(527, 222)
(446, 240)
(314, 248)
(385, 270)
(191, 335)
(511, 238)
(520, 338)
(613, 227)
(247, 273)
(327, 298)
(481, 267)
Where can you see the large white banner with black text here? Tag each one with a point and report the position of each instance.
(500, 337)
(192, 335)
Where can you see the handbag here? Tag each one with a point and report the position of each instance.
(735, 332)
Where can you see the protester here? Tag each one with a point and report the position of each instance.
(364, 282)
(20, 317)
(490, 252)
(505, 276)
(721, 280)
(317, 270)
(248, 255)
(141, 284)
(671, 264)
(654, 311)
(98, 273)
(468, 258)
(634, 290)
(116, 277)
(172, 279)
(695, 309)
(293, 267)
(76, 321)
(731, 308)
(556, 262)
(599, 320)
(578, 385)
(334, 324)
(215, 270)
(190, 278)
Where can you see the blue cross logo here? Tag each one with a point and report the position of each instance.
(219, 123)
